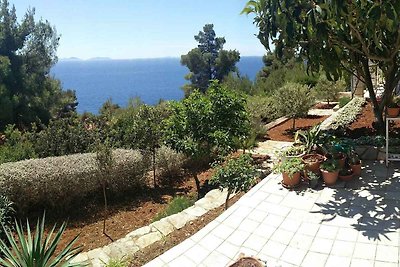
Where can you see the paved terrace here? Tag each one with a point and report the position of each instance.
(353, 224)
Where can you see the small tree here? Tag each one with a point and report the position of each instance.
(328, 90)
(105, 163)
(293, 100)
(237, 175)
(202, 126)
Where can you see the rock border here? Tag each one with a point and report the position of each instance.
(156, 231)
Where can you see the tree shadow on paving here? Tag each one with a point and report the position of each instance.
(372, 202)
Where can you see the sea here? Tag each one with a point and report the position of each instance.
(95, 81)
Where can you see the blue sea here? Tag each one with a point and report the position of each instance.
(95, 81)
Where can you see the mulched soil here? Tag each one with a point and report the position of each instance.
(125, 215)
(176, 237)
(324, 106)
(284, 131)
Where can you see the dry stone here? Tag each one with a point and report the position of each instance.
(148, 239)
(163, 226)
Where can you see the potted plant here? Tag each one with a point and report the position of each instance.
(312, 178)
(392, 108)
(312, 163)
(346, 174)
(330, 171)
(290, 169)
(294, 151)
(355, 163)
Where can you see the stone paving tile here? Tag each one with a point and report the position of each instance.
(335, 261)
(223, 231)
(326, 231)
(343, 248)
(211, 241)
(273, 249)
(294, 256)
(248, 225)
(308, 228)
(364, 251)
(385, 264)
(238, 237)
(255, 242)
(290, 225)
(314, 259)
(157, 262)
(321, 245)
(228, 249)
(361, 263)
(282, 236)
(301, 241)
(258, 215)
(215, 259)
(387, 253)
(274, 220)
(198, 254)
(275, 199)
(181, 261)
(347, 234)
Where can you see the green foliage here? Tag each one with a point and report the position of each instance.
(312, 139)
(236, 174)
(261, 109)
(116, 263)
(240, 84)
(169, 163)
(328, 90)
(176, 205)
(37, 250)
(289, 166)
(64, 136)
(16, 147)
(60, 183)
(294, 151)
(104, 158)
(336, 36)
(208, 61)
(330, 165)
(343, 101)
(204, 124)
(347, 114)
(6, 216)
(27, 52)
(293, 100)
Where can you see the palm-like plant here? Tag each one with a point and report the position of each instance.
(36, 250)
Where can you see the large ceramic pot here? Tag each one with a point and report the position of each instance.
(291, 181)
(330, 178)
(392, 112)
(312, 163)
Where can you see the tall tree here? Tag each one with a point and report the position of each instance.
(337, 36)
(27, 52)
(208, 61)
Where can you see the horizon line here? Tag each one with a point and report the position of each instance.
(139, 58)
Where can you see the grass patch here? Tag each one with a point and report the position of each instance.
(176, 205)
(116, 263)
(343, 101)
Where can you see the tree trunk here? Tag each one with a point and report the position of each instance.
(227, 199)
(294, 124)
(105, 211)
(153, 151)
(197, 181)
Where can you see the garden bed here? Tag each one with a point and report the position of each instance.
(284, 131)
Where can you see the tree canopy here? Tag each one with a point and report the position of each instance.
(208, 61)
(336, 36)
(27, 52)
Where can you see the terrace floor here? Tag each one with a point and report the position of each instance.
(352, 224)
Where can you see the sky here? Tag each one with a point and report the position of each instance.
(125, 29)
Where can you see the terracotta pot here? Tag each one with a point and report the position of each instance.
(346, 178)
(341, 158)
(392, 112)
(291, 181)
(247, 261)
(330, 177)
(312, 163)
(356, 169)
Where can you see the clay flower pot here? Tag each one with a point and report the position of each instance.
(312, 163)
(247, 261)
(291, 181)
(341, 158)
(392, 112)
(346, 177)
(330, 178)
(356, 168)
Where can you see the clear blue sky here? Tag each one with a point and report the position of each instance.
(142, 28)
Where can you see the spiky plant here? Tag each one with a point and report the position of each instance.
(35, 249)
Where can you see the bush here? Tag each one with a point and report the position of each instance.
(343, 101)
(169, 163)
(16, 147)
(328, 90)
(59, 182)
(347, 114)
(293, 100)
(176, 205)
(237, 175)
(6, 215)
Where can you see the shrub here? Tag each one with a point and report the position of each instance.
(176, 205)
(347, 114)
(169, 163)
(58, 182)
(237, 175)
(328, 90)
(16, 147)
(343, 101)
(117, 263)
(293, 100)
(37, 250)
(6, 215)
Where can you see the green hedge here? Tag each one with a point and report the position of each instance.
(58, 182)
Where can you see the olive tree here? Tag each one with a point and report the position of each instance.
(336, 36)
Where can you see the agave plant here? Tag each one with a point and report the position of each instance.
(34, 249)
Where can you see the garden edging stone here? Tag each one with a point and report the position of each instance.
(147, 235)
